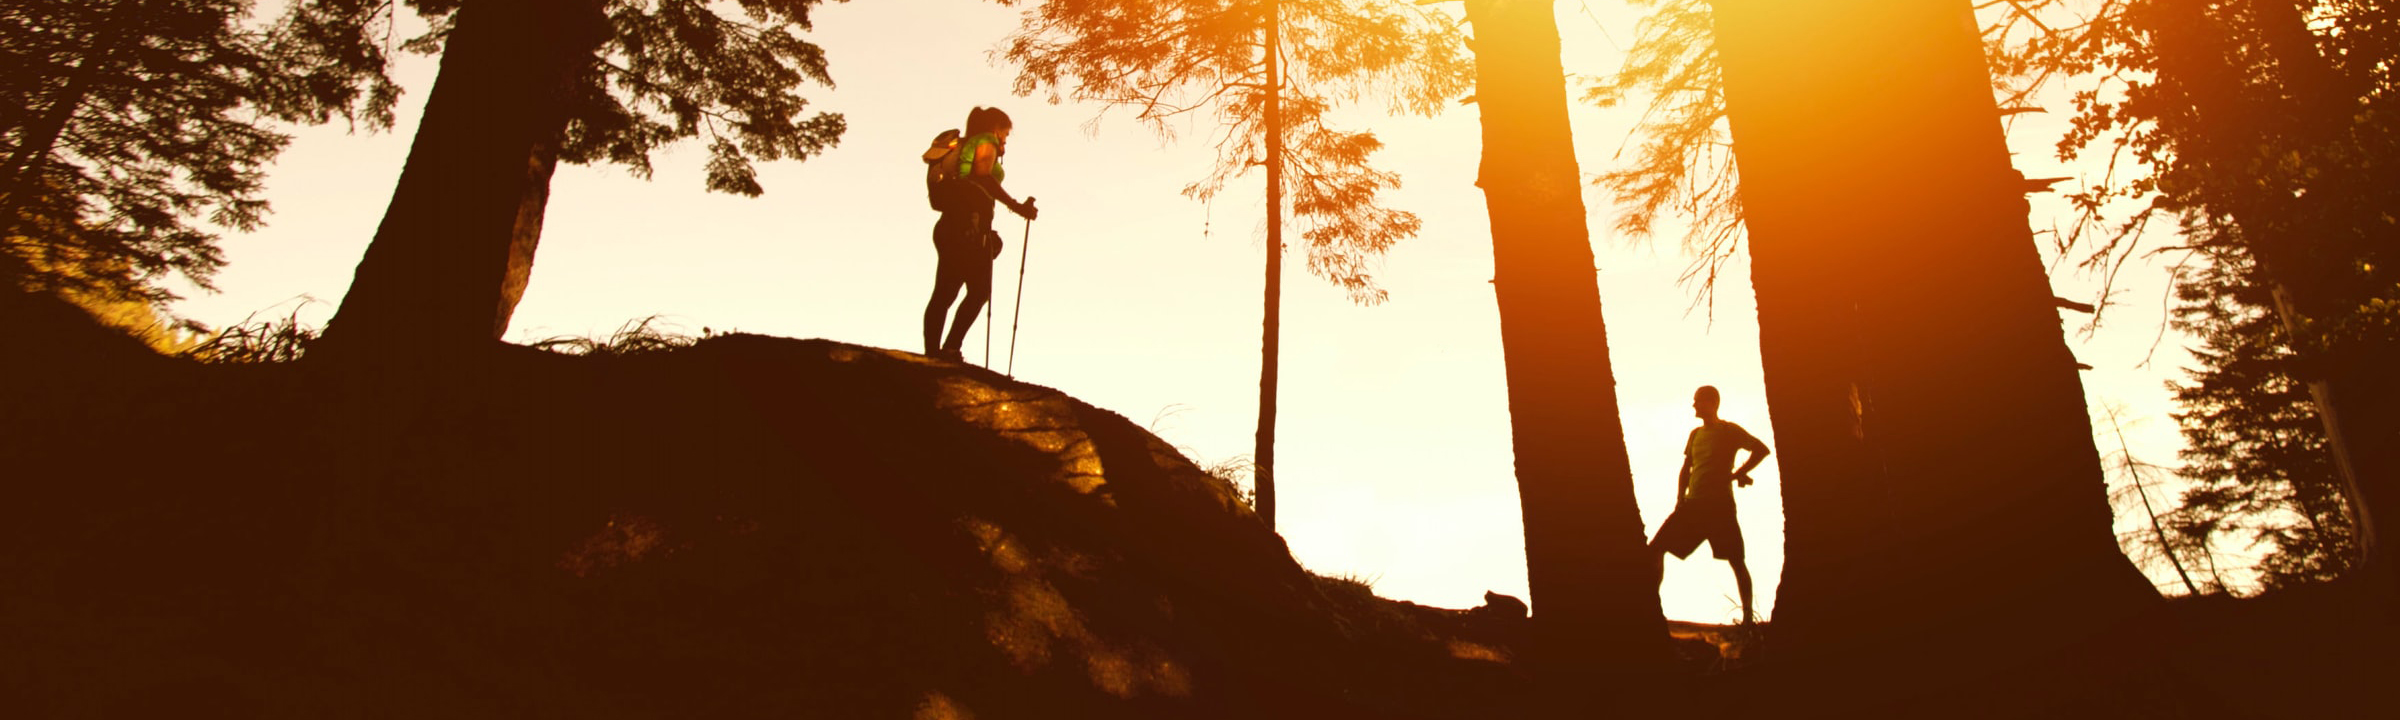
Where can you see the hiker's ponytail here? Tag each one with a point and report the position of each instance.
(983, 120)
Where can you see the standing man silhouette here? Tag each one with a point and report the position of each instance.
(1704, 492)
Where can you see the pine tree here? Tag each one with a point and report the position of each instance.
(1270, 71)
(2255, 450)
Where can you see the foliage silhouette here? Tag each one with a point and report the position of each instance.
(2255, 450)
(1684, 165)
(136, 126)
(526, 85)
(2271, 118)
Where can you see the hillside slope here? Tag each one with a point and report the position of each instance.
(748, 527)
(758, 527)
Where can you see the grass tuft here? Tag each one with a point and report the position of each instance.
(256, 341)
(636, 337)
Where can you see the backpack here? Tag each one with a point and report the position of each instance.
(941, 166)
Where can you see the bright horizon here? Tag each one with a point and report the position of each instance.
(1393, 456)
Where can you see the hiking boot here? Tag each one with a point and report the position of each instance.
(947, 354)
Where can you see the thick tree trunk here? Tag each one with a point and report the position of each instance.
(455, 249)
(1803, 274)
(1270, 345)
(1937, 457)
(1594, 580)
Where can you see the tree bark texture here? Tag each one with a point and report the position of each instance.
(1270, 345)
(456, 246)
(1593, 578)
(1937, 459)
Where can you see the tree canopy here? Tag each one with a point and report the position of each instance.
(667, 71)
(527, 84)
(133, 131)
(1164, 60)
(2255, 453)
(2266, 129)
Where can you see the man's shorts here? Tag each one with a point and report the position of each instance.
(1701, 519)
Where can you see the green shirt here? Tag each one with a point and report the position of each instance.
(966, 156)
(1708, 457)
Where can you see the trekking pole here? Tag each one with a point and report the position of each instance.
(1024, 251)
(987, 303)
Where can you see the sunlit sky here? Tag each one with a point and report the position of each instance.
(1393, 456)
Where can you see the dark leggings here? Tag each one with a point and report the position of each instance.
(966, 260)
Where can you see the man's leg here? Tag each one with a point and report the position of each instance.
(1741, 584)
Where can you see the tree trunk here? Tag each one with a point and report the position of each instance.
(455, 249)
(1270, 345)
(1937, 457)
(1594, 579)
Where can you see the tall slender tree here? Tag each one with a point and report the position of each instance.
(526, 84)
(1270, 71)
(1933, 429)
(1270, 343)
(1593, 578)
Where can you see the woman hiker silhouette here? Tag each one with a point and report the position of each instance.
(963, 236)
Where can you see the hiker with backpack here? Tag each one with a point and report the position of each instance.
(962, 181)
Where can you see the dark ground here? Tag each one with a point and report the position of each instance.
(757, 526)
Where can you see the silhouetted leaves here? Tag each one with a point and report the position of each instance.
(2255, 452)
(670, 70)
(2267, 129)
(132, 126)
(1163, 60)
(2274, 115)
(1684, 165)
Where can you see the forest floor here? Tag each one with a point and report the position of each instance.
(757, 526)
